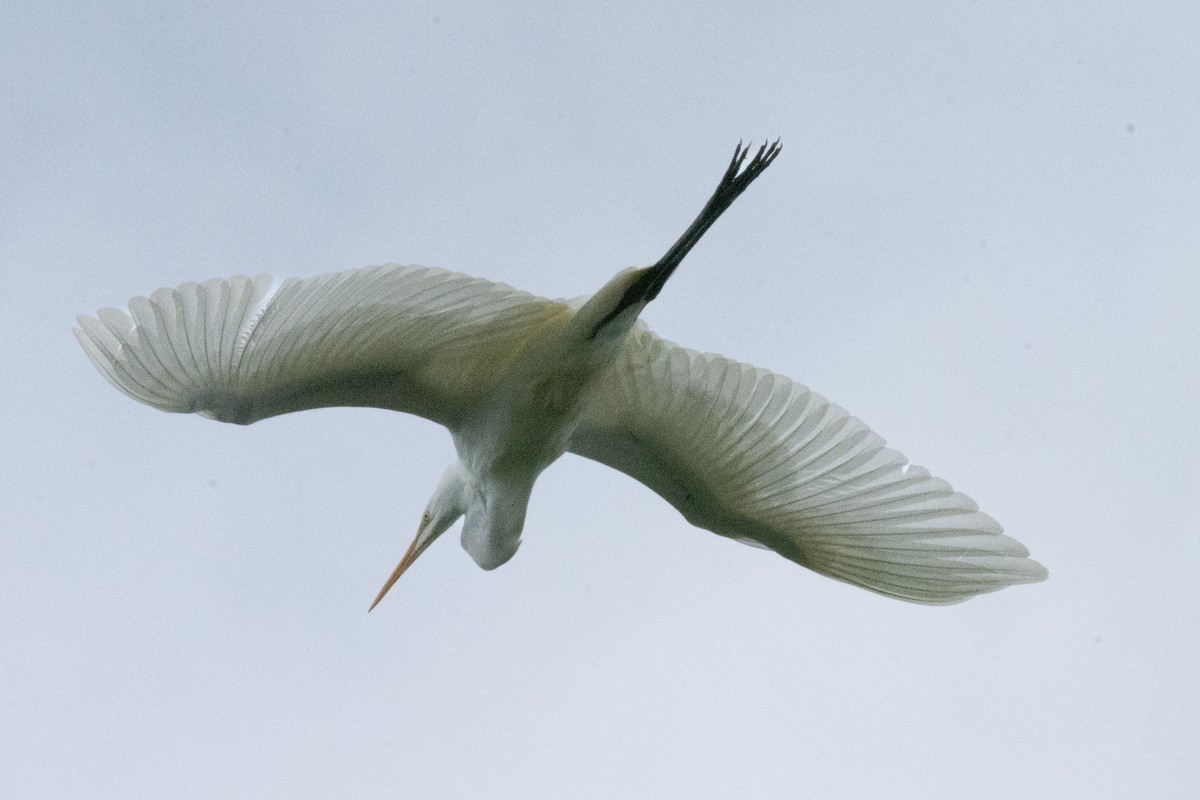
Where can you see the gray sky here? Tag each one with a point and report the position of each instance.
(981, 238)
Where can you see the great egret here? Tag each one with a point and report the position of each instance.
(519, 380)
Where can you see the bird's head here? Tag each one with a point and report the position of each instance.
(449, 502)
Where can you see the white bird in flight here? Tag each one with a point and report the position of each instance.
(519, 380)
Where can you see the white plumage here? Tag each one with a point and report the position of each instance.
(519, 380)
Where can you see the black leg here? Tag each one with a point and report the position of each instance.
(733, 183)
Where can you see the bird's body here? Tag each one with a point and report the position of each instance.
(527, 422)
(521, 380)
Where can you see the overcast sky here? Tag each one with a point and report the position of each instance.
(981, 238)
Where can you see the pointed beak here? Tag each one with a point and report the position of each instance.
(414, 550)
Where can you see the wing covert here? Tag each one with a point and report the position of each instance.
(751, 455)
(409, 338)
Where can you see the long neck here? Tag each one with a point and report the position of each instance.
(495, 518)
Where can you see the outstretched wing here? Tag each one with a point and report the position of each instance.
(753, 456)
(409, 338)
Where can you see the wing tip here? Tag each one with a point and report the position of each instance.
(930, 575)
